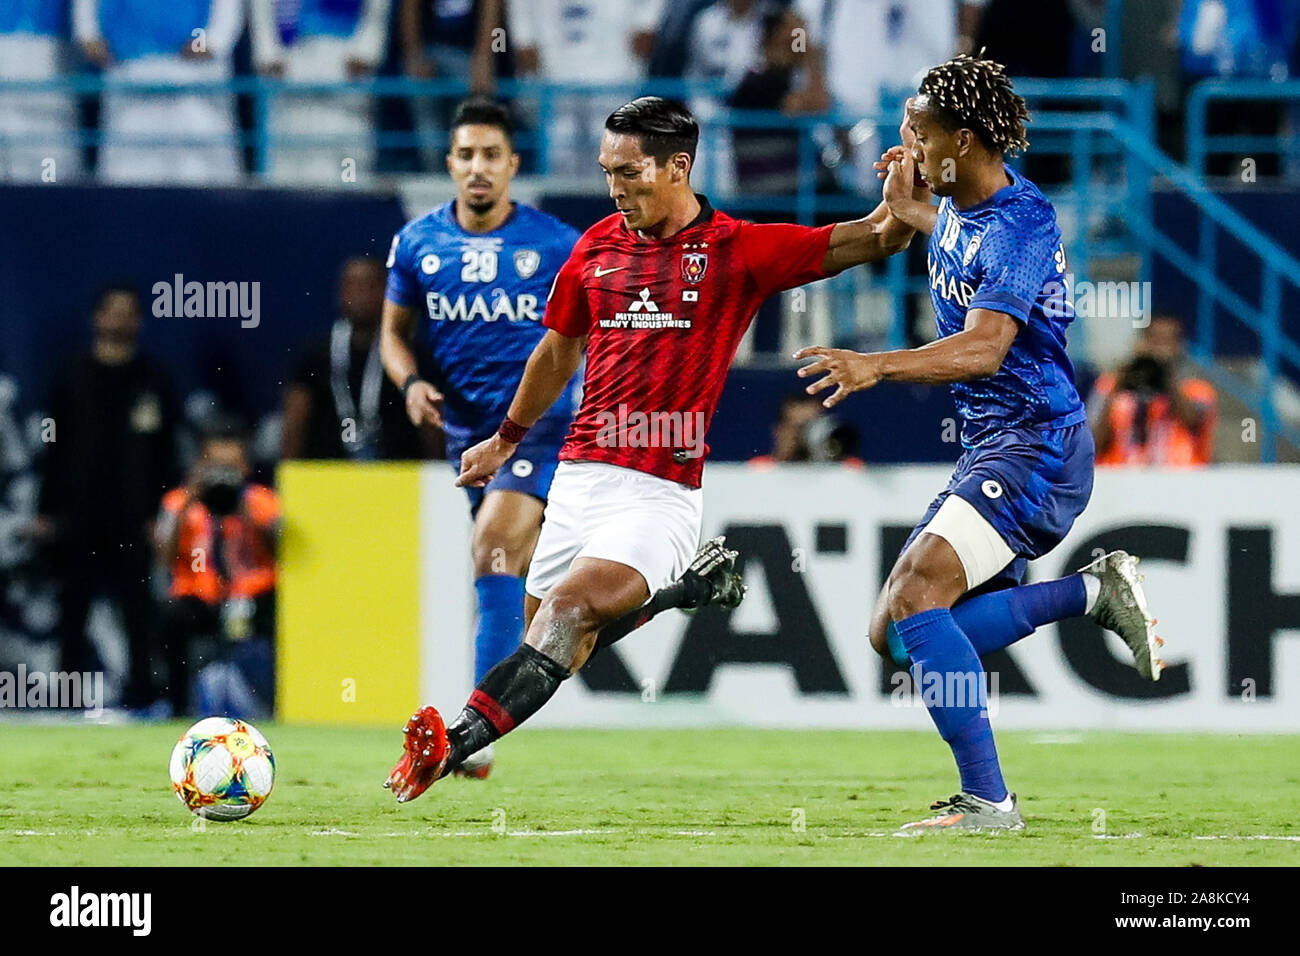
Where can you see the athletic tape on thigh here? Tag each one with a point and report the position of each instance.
(981, 549)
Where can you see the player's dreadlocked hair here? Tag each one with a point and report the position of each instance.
(974, 94)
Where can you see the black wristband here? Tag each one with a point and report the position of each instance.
(410, 380)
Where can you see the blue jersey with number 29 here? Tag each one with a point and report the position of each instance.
(482, 297)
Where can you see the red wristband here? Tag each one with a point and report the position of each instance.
(512, 432)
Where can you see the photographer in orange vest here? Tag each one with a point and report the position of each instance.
(1146, 413)
(216, 536)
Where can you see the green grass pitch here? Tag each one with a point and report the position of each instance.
(99, 795)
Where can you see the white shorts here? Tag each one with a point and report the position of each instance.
(597, 510)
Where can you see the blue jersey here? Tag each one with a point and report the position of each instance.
(483, 295)
(1006, 254)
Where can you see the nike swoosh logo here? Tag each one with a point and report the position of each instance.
(604, 272)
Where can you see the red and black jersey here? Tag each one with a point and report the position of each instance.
(664, 318)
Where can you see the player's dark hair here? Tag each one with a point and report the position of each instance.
(482, 111)
(664, 127)
(116, 287)
(974, 94)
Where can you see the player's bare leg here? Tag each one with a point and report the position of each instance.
(561, 636)
(711, 579)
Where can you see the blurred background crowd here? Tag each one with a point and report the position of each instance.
(120, 462)
(802, 57)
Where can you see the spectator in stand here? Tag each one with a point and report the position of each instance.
(603, 44)
(767, 159)
(180, 137)
(320, 41)
(724, 46)
(1253, 39)
(860, 48)
(216, 536)
(339, 403)
(1028, 37)
(1147, 412)
(447, 40)
(111, 453)
(36, 127)
(1032, 38)
(805, 432)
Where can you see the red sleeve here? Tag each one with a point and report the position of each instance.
(566, 306)
(782, 256)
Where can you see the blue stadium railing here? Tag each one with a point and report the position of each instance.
(1105, 127)
(1201, 144)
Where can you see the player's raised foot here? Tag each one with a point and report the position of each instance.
(717, 565)
(966, 813)
(424, 756)
(1121, 606)
(477, 765)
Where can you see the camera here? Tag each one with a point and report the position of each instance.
(221, 489)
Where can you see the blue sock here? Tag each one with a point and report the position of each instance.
(999, 619)
(938, 648)
(500, 620)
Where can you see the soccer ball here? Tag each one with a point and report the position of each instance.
(222, 769)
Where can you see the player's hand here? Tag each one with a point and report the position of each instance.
(424, 404)
(892, 155)
(848, 370)
(480, 464)
(900, 180)
(905, 134)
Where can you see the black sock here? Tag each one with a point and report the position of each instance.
(688, 591)
(507, 695)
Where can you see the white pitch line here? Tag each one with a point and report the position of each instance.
(1249, 836)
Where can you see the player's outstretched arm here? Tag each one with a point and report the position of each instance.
(553, 363)
(890, 226)
(977, 351)
(423, 401)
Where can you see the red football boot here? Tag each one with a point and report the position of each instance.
(425, 757)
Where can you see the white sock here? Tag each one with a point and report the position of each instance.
(1092, 587)
(1004, 804)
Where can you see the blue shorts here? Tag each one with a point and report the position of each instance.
(530, 470)
(1029, 484)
